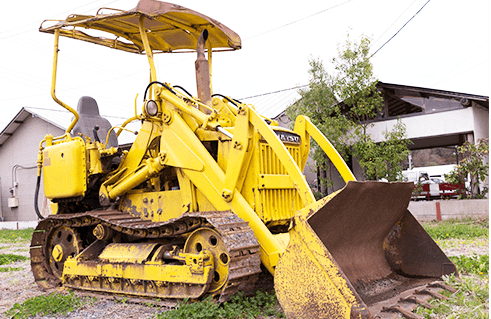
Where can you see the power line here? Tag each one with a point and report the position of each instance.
(393, 23)
(401, 28)
(447, 76)
(293, 22)
(263, 94)
(28, 25)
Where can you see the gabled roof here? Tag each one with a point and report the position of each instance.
(60, 119)
(398, 99)
(480, 99)
(402, 99)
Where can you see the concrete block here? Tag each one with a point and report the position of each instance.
(18, 225)
(449, 209)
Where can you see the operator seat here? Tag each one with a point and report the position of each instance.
(89, 117)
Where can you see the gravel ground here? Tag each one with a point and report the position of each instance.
(18, 286)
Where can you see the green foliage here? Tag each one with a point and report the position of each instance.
(341, 104)
(472, 297)
(454, 228)
(7, 269)
(319, 103)
(12, 236)
(6, 259)
(473, 164)
(354, 82)
(469, 302)
(261, 304)
(51, 304)
(475, 264)
(384, 160)
(122, 300)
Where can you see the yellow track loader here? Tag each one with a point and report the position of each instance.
(210, 189)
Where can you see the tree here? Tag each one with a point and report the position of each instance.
(474, 165)
(384, 160)
(355, 84)
(320, 104)
(342, 104)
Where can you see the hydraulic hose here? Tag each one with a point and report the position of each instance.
(157, 82)
(36, 197)
(180, 87)
(228, 99)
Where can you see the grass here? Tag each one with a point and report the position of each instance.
(15, 236)
(6, 259)
(456, 243)
(259, 305)
(7, 269)
(466, 229)
(471, 301)
(54, 303)
(472, 265)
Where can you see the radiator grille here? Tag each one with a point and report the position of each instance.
(279, 203)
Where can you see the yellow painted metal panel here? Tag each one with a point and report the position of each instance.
(285, 158)
(150, 271)
(275, 181)
(155, 206)
(323, 289)
(181, 156)
(67, 158)
(127, 253)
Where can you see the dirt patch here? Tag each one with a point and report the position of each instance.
(458, 247)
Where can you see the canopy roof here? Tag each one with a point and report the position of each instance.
(169, 28)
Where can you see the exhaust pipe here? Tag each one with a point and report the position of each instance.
(203, 72)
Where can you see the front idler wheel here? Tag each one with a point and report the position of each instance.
(210, 240)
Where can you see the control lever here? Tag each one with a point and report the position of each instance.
(96, 136)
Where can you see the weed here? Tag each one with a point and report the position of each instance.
(469, 302)
(12, 236)
(48, 305)
(457, 243)
(476, 264)
(454, 228)
(6, 259)
(260, 304)
(121, 299)
(7, 269)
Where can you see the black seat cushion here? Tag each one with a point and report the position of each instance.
(88, 111)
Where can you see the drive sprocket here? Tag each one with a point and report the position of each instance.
(62, 242)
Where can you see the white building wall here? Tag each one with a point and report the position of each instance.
(436, 124)
(481, 123)
(21, 149)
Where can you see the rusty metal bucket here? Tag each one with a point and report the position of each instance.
(355, 249)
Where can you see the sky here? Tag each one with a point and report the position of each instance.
(445, 46)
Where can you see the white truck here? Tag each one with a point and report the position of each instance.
(430, 182)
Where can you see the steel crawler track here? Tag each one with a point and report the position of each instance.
(244, 265)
